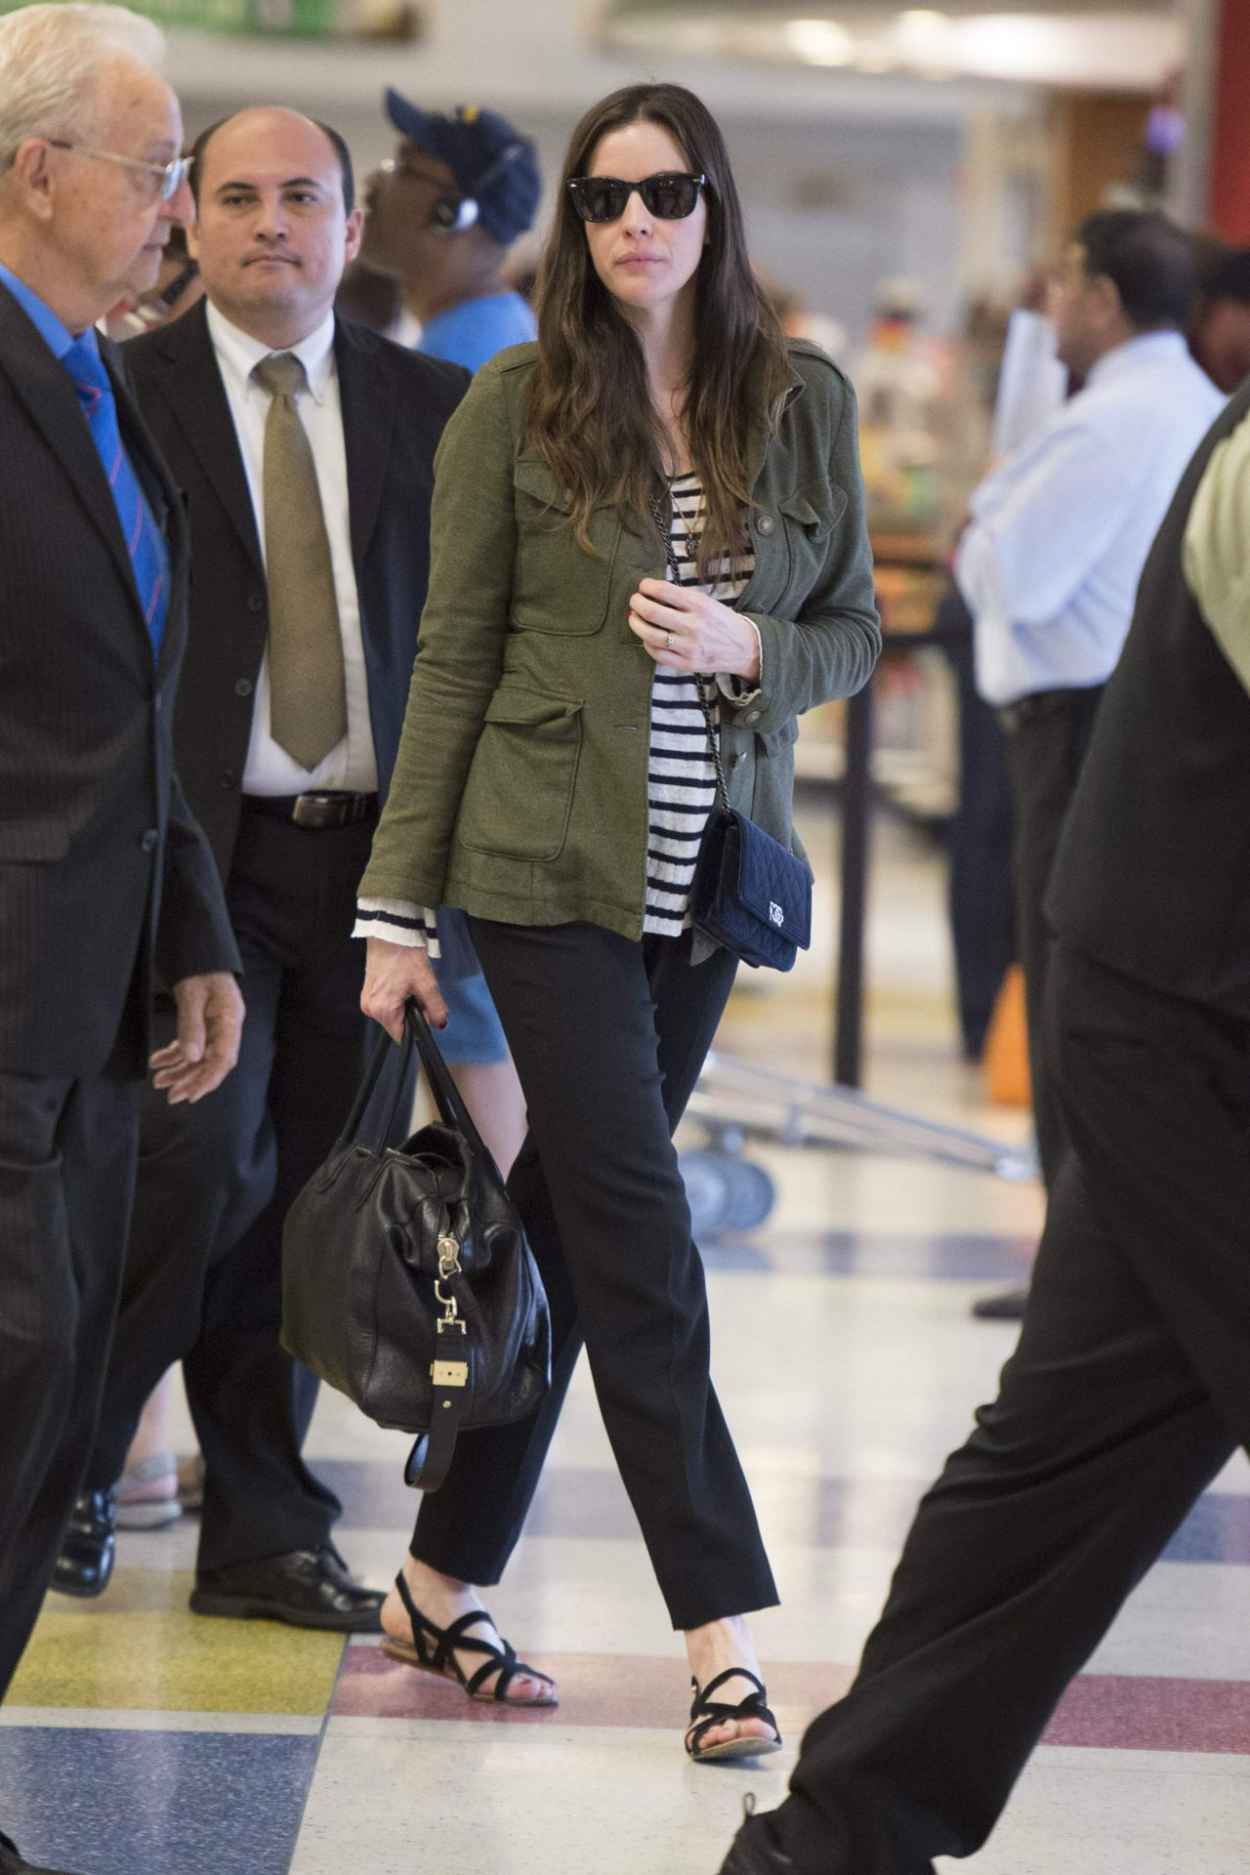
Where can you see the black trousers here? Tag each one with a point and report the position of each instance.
(203, 1278)
(980, 896)
(67, 1154)
(1129, 1390)
(1045, 750)
(608, 1038)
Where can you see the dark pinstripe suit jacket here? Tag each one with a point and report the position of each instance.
(394, 405)
(104, 875)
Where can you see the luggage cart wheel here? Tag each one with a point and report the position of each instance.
(725, 1192)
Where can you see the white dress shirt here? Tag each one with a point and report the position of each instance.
(1032, 384)
(1050, 561)
(351, 764)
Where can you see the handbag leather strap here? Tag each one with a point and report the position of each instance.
(451, 1108)
(432, 1452)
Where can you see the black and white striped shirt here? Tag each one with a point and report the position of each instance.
(681, 785)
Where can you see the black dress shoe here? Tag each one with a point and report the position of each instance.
(750, 1853)
(310, 1588)
(88, 1548)
(1005, 1305)
(11, 1862)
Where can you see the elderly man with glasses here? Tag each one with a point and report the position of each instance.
(105, 879)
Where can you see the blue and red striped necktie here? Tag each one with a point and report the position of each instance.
(144, 541)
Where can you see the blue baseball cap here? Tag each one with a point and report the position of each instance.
(492, 162)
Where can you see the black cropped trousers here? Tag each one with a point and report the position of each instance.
(609, 1036)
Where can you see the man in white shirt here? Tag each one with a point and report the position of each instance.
(305, 449)
(1059, 534)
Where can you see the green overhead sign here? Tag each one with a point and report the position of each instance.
(299, 19)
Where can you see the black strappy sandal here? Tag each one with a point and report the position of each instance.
(433, 1650)
(706, 1713)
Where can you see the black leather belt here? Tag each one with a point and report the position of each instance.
(1030, 709)
(314, 812)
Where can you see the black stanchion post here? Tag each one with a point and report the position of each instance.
(848, 1017)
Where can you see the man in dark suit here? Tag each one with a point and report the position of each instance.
(105, 880)
(1130, 1387)
(305, 448)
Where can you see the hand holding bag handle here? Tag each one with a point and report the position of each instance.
(447, 1099)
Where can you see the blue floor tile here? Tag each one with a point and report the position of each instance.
(1217, 1530)
(154, 1803)
(952, 1256)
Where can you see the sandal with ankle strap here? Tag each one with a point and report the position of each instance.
(707, 1713)
(433, 1650)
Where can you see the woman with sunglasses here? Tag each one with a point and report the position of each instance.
(659, 488)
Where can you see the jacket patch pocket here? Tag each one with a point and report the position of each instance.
(519, 793)
(808, 520)
(777, 741)
(538, 491)
(816, 519)
(557, 585)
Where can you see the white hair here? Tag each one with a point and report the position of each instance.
(49, 59)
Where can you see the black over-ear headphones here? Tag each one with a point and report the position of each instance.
(455, 214)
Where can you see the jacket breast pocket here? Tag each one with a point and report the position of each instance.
(558, 586)
(519, 793)
(810, 518)
(777, 741)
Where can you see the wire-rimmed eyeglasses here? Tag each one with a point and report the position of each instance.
(165, 178)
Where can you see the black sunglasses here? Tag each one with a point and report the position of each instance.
(669, 196)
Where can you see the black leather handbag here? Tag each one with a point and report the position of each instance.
(407, 1281)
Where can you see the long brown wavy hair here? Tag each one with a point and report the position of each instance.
(591, 416)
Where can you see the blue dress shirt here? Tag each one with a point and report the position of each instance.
(60, 340)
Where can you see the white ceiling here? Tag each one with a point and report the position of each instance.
(1050, 42)
(550, 55)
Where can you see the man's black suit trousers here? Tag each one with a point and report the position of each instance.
(204, 1271)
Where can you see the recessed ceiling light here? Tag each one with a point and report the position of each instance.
(925, 39)
(819, 42)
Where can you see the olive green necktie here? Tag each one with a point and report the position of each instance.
(308, 698)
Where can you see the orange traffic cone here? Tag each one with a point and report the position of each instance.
(1006, 1056)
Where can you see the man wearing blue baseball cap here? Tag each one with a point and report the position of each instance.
(441, 215)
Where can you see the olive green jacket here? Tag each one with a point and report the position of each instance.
(520, 790)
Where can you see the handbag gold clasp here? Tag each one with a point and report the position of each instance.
(448, 1266)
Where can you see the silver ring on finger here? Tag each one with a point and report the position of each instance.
(668, 640)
